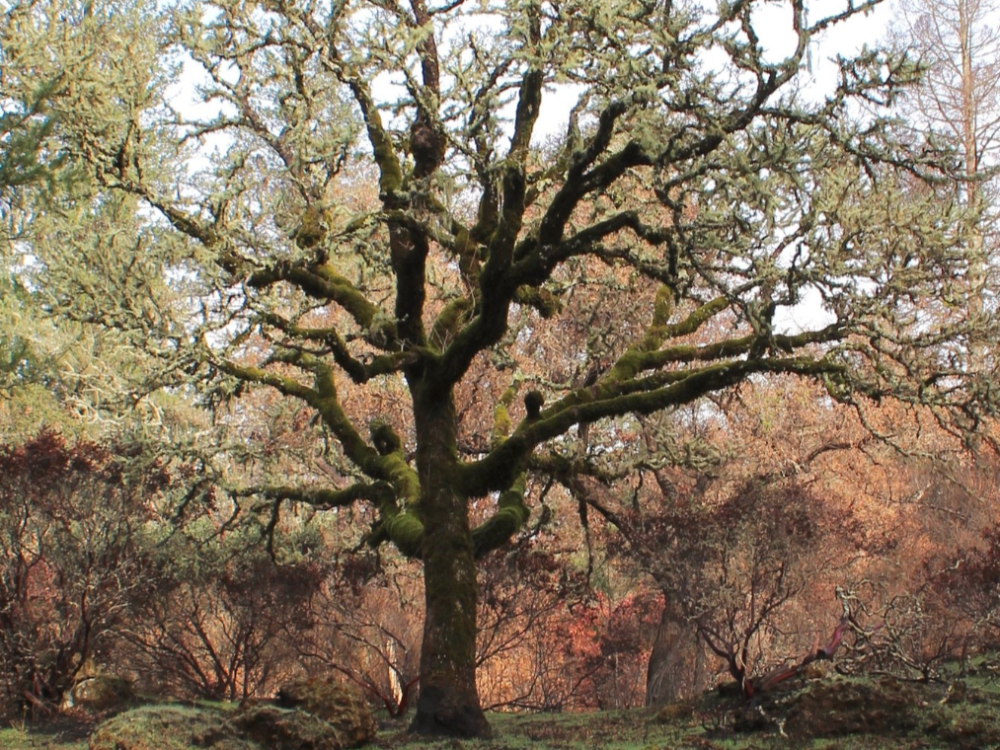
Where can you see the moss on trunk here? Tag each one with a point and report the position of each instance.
(449, 700)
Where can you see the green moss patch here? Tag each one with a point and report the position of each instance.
(256, 727)
(168, 728)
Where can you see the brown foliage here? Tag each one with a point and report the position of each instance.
(222, 629)
(71, 559)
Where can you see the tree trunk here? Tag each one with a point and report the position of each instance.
(449, 699)
(676, 669)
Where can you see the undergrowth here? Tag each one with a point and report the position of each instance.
(962, 711)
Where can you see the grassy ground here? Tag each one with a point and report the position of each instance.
(63, 735)
(630, 730)
(967, 718)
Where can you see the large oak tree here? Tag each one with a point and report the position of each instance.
(362, 202)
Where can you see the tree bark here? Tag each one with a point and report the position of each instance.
(449, 699)
(676, 669)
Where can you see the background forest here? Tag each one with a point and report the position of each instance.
(323, 351)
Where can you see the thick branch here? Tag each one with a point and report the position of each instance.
(510, 516)
(644, 396)
(324, 283)
(317, 497)
(496, 288)
(391, 468)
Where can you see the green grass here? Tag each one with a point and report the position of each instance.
(50, 737)
(610, 730)
(972, 723)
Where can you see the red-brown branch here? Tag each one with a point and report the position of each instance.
(768, 681)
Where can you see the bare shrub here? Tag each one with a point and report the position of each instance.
(223, 616)
(73, 559)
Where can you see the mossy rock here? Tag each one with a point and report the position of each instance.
(287, 729)
(336, 703)
(260, 727)
(101, 692)
(968, 732)
(168, 728)
(836, 708)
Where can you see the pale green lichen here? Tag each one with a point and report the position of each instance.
(501, 424)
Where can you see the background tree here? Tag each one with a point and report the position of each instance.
(224, 238)
(738, 575)
(959, 99)
(745, 554)
(959, 43)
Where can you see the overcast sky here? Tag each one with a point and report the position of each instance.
(773, 25)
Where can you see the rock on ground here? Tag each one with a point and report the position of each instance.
(335, 702)
(100, 692)
(254, 727)
(168, 728)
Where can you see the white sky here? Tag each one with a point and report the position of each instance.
(557, 102)
(842, 39)
(773, 25)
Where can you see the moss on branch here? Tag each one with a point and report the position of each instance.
(348, 296)
(496, 288)
(510, 516)
(501, 424)
(327, 403)
(281, 383)
(324, 283)
(406, 531)
(545, 302)
(641, 356)
(639, 396)
(384, 438)
(322, 498)
(501, 416)
(402, 526)
(469, 255)
(533, 403)
(449, 320)
(391, 467)
(390, 170)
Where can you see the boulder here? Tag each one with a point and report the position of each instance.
(168, 728)
(100, 692)
(335, 702)
(287, 729)
(835, 708)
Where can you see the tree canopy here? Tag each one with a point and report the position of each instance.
(363, 208)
